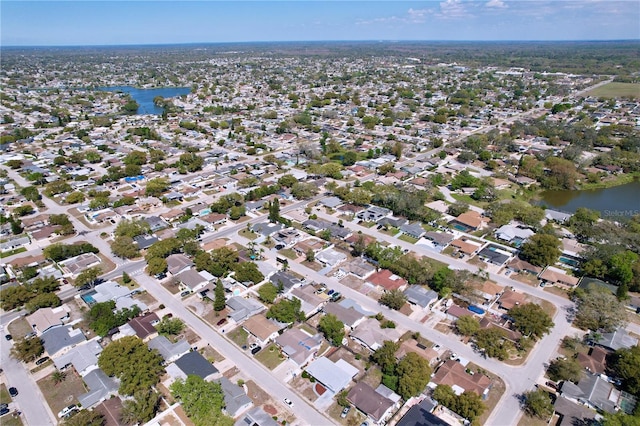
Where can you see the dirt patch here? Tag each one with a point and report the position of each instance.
(146, 298)
(443, 327)
(213, 316)
(211, 354)
(62, 394)
(304, 387)
(320, 390)
(270, 409)
(557, 291)
(19, 328)
(179, 411)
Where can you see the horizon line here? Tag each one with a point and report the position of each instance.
(317, 41)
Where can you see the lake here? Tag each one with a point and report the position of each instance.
(144, 97)
(615, 203)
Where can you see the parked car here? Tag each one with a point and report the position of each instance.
(288, 402)
(345, 411)
(4, 411)
(253, 345)
(42, 360)
(3, 406)
(67, 410)
(185, 293)
(222, 321)
(256, 350)
(8, 336)
(13, 392)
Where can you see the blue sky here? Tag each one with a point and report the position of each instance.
(152, 22)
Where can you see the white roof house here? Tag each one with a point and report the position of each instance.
(335, 376)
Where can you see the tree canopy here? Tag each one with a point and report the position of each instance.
(332, 328)
(537, 403)
(286, 310)
(27, 349)
(598, 311)
(531, 319)
(202, 401)
(129, 359)
(541, 249)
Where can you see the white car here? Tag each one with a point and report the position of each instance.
(288, 402)
(67, 410)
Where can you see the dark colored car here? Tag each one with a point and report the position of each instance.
(13, 392)
(256, 350)
(222, 321)
(8, 336)
(42, 360)
(4, 411)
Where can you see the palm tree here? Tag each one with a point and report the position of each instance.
(58, 377)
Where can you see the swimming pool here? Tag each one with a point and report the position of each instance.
(88, 298)
(568, 261)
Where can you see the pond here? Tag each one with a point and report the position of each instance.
(144, 97)
(615, 203)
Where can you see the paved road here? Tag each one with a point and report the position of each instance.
(517, 378)
(304, 412)
(30, 401)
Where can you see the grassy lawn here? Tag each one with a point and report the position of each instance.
(20, 328)
(527, 420)
(288, 253)
(611, 181)
(238, 336)
(12, 252)
(250, 235)
(616, 90)
(557, 291)
(42, 366)
(62, 394)
(9, 420)
(308, 329)
(408, 238)
(5, 398)
(270, 356)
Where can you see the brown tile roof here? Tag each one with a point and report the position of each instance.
(511, 298)
(142, 325)
(27, 260)
(453, 373)
(470, 218)
(595, 361)
(215, 244)
(464, 246)
(387, 279)
(260, 326)
(367, 400)
(111, 409)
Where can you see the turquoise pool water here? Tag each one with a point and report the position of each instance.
(88, 298)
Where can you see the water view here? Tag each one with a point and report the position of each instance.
(616, 203)
(144, 97)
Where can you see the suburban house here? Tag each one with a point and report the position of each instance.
(454, 374)
(555, 276)
(593, 391)
(262, 329)
(77, 264)
(359, 268)
(111, 409)
(618, 339)
(410, 345)
(370, 402)
(243, 308)
(57, 340)
(310, 301)
(236, 400)
(194, 280)
(440, 240)
(465, 246)
(369, 334)
(330, 257)
(373, 214)
(511, 298)
(192, 363)
(454, 312)
(177, 263)
(83, 358)
(420, 296)
(256, 416)
(494, 255)
(299, 346)
(45, 318)
(515, 235)
(287, 280)
(414, 230)
(595, 362)
(518, 265)
(387, 280)
(468, 221)
(571, 414)
(144, 326)
(100, 388)
(349, 316)
(422, 415)
(335, 376)
(169, 351)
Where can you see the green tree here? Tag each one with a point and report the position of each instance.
(31, 193)
(126, 279)
(564, 369)
(268, 292)
(303, 191)
(274, 210)
(468, 325)
(541, 249)
(247, 272)
(86, 418)
(170, 326)
(13, 297)
(531, 320)
(156, 187)
(27, 350)
(620, 418)
(394, 299)
(75, 197)
(42, 301)
(310, 255)
(129, 359)
(191, 162)
(457, 208)
(125, 247)
(491, 341)
(332, 328)
(413, 375)
(132, 228)
(385, 357)
(142, 408)
(286, 310)
(627, 367)
(88, 276)
(537, 403)
(287, 181)
(156, 265)
(202, 401)
(58, 377)
(220, 301)
(599, 311)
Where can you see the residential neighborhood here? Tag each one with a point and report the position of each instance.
(318, 248)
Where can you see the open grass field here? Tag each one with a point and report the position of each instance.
(617, 90)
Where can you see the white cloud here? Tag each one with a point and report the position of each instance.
(452, 9)
(418, 16)
(499, 4)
